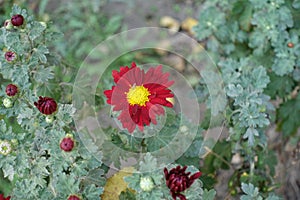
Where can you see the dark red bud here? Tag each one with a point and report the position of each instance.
(10, 56)
(11, 90)
(17, 20)
(67, 144)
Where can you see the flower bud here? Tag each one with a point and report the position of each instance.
(11, 90)
(4, 198)
(17, 20)
(290, 45)
(5, 147)
(46, 105)
(7, 103)
(10, 56)
(74, 197)
(49, 119)
(67, 144)
(146, 184)
(8, 25)
(43, 24)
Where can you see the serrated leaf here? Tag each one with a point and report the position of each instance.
(251, 191)
(8, 171)
(279, 85)
(36, 30)
(40, 53)
(288, 114)
(149, 163)
(92, 192)
(209, 195)
(43, 74)
(283, 66)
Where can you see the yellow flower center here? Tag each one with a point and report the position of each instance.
(138, 95)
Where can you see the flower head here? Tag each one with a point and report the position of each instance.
(139, 95)
(5, 147)
(11, 90)
(10, 56)
(67, 143)
(7, 103)
(17, 20)
(146, 184)
(46, 105)
(3, 198)
(178, 180)
(74, 197)
(8, 25)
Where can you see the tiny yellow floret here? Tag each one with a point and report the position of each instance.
(138, 95)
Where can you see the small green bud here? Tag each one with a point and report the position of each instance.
(146, 184)
(8, 25)
(43, 24)
(7, 103)
(49, 119)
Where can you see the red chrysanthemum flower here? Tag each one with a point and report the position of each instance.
(3, 198)
(139, 95)
(11, 90)
(46, 105)
(178, 180)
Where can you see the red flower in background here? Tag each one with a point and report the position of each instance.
(46, 105)
(139, 95)
(178, 180)
(3, 198)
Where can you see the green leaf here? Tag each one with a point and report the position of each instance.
(279, 85)
(92, 192)
(43, 74)
(283, 66)
(209, 195)
(36, 30)
(149, 163)
(40, 53)
(251, 191)
(288, 115)
(113, 24)
(242, 10)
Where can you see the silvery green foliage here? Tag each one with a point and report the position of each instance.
(245, 83)
(37, 167)
(252, 193)
(255, 40)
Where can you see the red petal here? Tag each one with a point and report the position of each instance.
(196, 176)
(166, 173)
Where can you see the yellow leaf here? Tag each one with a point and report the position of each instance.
(188, 24)
(116, 184)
